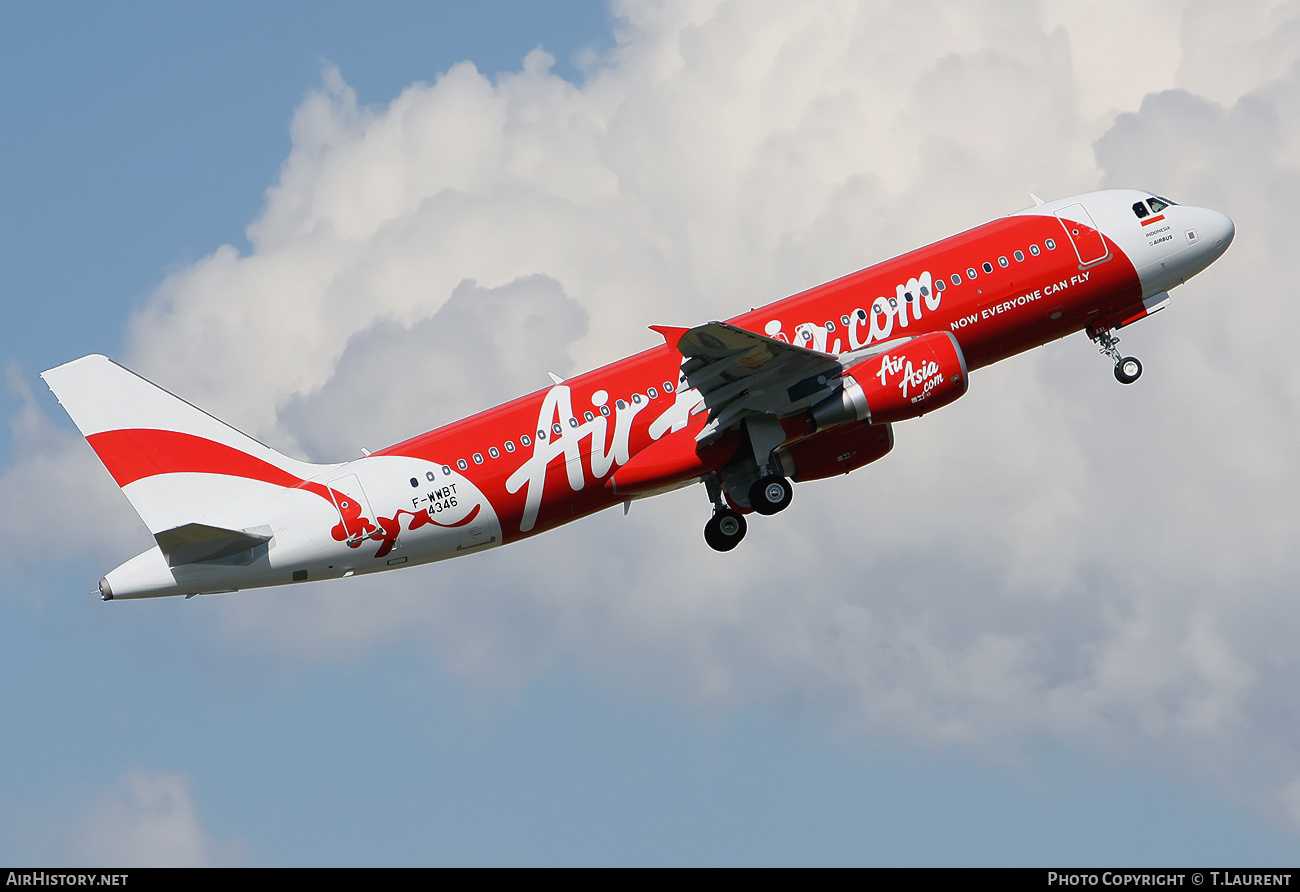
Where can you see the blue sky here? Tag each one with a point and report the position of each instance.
(479, 723)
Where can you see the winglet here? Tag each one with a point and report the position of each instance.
(672, 333)
(556, 379)
(1037, 201)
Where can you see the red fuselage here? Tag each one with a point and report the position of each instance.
(1022, 294)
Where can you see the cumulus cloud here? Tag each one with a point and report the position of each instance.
(143, 820)
(1053, 555)
(392, 382)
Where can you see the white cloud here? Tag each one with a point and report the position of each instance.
(145, 820)
(1052, 555)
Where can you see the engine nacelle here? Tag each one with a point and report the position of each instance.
(917, 376)
(839, 450)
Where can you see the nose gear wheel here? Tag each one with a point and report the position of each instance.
(1127, 368)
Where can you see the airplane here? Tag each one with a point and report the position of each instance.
(803, 389)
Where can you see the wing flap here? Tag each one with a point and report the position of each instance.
(741, 373)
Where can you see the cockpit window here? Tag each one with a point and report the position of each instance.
(1157, 205)
(1140, 208)
(1167, 201)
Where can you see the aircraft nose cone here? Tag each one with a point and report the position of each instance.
(1217, 231)
(1220, 230)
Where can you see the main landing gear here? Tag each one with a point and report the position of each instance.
(726, 528)
(1127, 368)
(768, 495)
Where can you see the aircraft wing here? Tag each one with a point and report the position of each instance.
(740, 373)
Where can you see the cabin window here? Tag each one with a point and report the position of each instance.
(525, 441)
(1003, 262)
(830, 326)
(462, 464)
(1051, 244)
(862, 314)
(1033, 249)
(1140, 209)
(604, 410)
(908, 296)
(541, 435)
(939, 285)
(573, 422)
(845, 320)
(970, 273)
(621, 404)
(446, 470)
(478, 458)
(589, 416)
(414, 482)
(807, 335)
(1020, 256)
(925, 292)
(556, 428)
(494, 452)
(988, 267)
(636, 398)
(510, 445)
(668, 387)
(428, 475)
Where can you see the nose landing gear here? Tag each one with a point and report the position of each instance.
(1127, 368)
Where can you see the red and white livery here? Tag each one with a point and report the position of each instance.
(805, 388)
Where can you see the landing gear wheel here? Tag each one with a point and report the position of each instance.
(1128, 370)
(725, 530)
(770, 494)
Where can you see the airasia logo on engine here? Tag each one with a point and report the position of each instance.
(919, 376)
(914, 381)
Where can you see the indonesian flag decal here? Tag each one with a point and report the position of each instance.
(1156, 219)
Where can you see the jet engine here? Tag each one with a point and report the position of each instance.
(839, 450)
(916, 376)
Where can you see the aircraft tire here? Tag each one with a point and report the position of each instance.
(1128, 370)
(725, 530)
(770, 494)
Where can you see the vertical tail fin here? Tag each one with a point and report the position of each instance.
(175, 463)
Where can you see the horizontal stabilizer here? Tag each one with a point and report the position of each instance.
(195, 542)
